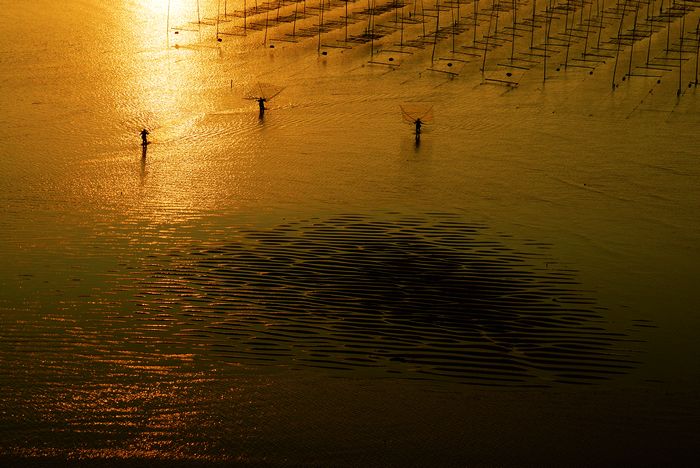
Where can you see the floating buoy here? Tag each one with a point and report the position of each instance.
(391, 59)
(509, 74)
(324, 53)
(449, 64)
(218, 39)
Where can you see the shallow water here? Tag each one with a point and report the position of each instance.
(315, 287)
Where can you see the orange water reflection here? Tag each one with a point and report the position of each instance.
(195, 162)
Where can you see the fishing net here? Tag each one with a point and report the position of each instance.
(414, 111)
(263, 90)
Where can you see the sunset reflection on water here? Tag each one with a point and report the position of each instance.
(310, 286)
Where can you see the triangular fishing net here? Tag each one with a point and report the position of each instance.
(414, 111)
(263, 90)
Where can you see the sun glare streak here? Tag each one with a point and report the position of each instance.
(171, 12)
(159, 5)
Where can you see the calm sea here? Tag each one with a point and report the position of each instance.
(315, 286)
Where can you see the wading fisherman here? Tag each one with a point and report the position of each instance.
(418, 125)
(144, 137)
(261, 104)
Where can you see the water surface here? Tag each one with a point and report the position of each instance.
(314, 287)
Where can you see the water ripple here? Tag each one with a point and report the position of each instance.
(426, 297)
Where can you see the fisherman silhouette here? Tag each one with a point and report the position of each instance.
(417, 115)
(144, 137)
(261, 103)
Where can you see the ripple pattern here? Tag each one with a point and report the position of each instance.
(421, 296)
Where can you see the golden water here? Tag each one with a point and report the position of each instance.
(313, 287)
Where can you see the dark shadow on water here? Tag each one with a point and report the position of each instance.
(144, 151)
(421, 297)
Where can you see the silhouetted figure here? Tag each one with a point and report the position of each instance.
(261, 104)
(144, 137)
(417, 115)
(418, 123)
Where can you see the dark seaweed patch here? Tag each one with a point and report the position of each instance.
(427, 297)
